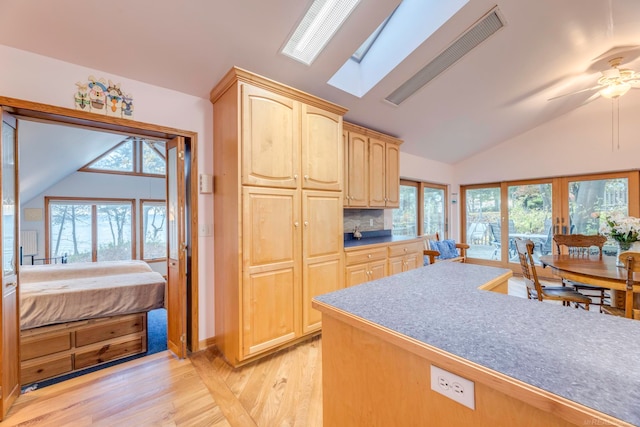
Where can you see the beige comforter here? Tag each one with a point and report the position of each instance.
(62, 293)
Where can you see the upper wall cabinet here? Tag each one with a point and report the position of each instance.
(289, 144)
(372, 168)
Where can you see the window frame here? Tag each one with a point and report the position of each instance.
(141, 231)
(136, 160)
(93, 202)
(420, 186)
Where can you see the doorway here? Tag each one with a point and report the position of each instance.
(189, 276)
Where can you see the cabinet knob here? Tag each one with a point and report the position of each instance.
(405, 249)
(306, 223)
(306, 177)
(369, 255)
(296, 224)
(295, 176)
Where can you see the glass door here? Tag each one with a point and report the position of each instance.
(530, 216)
(587, 200)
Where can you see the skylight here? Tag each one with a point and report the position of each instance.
(317, 27)
(406, 28)
(364, 47)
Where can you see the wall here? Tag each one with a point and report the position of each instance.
(37, 78)
(579, 142)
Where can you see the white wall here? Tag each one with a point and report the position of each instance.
(37, 78)
(579, 142)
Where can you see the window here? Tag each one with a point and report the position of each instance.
(154, 231)
(133, 156)
(496, 214)
(90, 230)
(422, 209)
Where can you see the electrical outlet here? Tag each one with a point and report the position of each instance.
(371, 222)
(453, 386)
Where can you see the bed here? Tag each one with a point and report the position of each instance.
(73, 316)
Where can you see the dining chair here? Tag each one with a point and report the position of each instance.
(581, 245)
(443, 250)
(535, 290)
(631, 261)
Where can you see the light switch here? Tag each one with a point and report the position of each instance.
(206, 183)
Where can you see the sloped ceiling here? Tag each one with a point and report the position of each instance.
(497, 91)
(49, 153)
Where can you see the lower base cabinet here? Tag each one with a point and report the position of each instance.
(381, 260)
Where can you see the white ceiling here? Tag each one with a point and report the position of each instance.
(497, 91)
(49, 153)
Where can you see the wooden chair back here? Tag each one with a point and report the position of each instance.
(433, 254)
(529, 274)
(579, 244)
(631, 261)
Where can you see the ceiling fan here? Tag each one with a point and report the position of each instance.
(613, 82)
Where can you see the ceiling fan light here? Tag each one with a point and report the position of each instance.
(615, 90)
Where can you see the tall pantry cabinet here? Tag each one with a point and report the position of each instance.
(278, 179)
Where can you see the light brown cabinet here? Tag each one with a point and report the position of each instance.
(381, 260)
(372, 168)
(364, 265)
(278, 164)
(405, 257)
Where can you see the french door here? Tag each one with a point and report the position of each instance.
(497, 214)
(10, 372)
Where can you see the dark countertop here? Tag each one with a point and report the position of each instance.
(374, 239)
(586, 357)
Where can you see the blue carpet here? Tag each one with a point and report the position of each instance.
(156, 342)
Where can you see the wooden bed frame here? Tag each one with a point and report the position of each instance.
(50, 351)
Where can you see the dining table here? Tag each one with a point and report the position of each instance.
(595, 270)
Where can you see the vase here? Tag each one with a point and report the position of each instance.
(624, 247)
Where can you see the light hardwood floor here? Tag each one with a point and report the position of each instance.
(284, 389)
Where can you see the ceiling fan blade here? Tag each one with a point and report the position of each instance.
(589, 89)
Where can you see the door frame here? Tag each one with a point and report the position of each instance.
(62, 115)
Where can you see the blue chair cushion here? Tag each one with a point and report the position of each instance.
(447, 248)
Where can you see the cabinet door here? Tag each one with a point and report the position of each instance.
(392, 184)
(356, 274)
(271, 252)
(413, 261)
(270, 139)
(396, 265)
(377, 173)
(378, 269)
(358, 170)
(322, 149)
(322, 249)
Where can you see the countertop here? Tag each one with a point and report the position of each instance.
(375, 240)
(586, 357)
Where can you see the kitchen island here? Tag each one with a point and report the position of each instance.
(532, 363)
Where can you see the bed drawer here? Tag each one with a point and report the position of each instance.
(37, 346)
(46, 368)
(109, 352)
(111, 328)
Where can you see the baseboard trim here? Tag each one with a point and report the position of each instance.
(206, 343)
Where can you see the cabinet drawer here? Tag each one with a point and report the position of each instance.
(110, 329)
(35, 346)
(48, 368)
(365, 255)
(109, 352)
(405, 248)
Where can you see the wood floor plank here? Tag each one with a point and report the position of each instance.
(235, 413)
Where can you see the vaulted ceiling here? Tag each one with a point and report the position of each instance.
(498, 90)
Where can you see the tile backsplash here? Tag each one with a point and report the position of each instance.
(363, 218)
